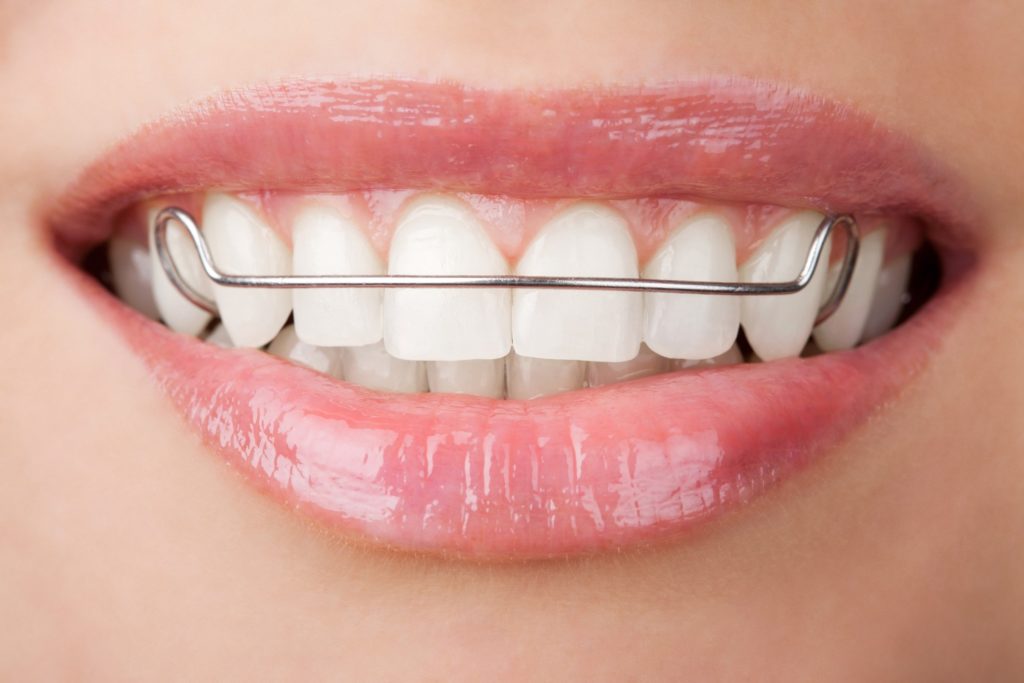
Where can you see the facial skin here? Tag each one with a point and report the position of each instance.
(130, 552)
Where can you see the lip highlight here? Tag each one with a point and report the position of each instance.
(585, 471)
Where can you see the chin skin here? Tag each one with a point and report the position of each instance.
(131, 553)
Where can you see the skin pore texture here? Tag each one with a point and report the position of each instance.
(130, 553)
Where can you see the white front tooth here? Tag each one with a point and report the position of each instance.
(439, 236)
(889, 297)
(371, 366)
(327, 243)
(131, 271)
(693, 326)
(179, 314)
(779, 326)
(731, 357)
(535, 377)
(287, 345)
(645, 364)
(219, 336)
(845, 327)
(241, 243)
(478, 377)
(587, 239)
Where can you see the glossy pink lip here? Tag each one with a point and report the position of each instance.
(588, 470)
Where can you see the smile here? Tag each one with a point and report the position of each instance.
(518, 422)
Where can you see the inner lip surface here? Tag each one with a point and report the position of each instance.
(583, 472)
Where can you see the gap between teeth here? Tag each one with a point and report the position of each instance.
(520, 344)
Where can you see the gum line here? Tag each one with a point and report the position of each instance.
(511, 222)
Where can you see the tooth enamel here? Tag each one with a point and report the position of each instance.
(242, 243)
(177, 312)
(889, 297)
(438, 236)
(779, 326)
(219, 337)
(371, 366)
(845, 327)
(690, 325)
(131, 272)
(478, 377)
(287, 345)
(731, 357)
(535, 377)
(327, 243)
(645, 364)
(588, 239)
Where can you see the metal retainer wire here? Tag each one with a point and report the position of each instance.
(173, 214)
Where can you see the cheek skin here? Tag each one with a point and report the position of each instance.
(892, 560)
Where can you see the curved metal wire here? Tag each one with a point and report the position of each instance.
(821, 236)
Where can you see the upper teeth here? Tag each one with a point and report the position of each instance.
(466, 334)
(329, 243)
(439, 236)
(587, 240)
(888, 298)
(178, 312)
(241, 242)
(778, 326)
(131, 269)
(687, 325)
(846, 326)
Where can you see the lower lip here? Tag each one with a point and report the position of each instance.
(581, 472)
(586, 471)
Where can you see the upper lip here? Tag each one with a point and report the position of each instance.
(562, 474)
(727, 139)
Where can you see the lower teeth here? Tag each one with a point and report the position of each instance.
(516, 377)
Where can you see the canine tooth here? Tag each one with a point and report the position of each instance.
(779, 326)
(440, 236)
(846, 326)
(180, 314)
(242, 243)
(327, 243)
(731, 357)
(691, 325)
(645, 364)
(478, 377)
(535, 377)
(287, 345)
(889, 297)
(371, 366)
(219, 337)
(131, 271)
(588, 239)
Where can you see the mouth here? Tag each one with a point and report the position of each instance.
(520, 424)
